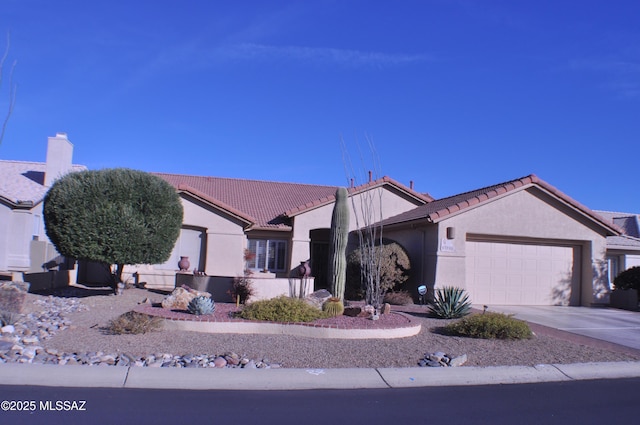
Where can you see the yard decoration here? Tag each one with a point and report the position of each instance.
(338, 244)
(114, 216)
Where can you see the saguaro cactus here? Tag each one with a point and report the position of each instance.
(338, 244)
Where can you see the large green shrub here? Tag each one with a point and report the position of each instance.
(450, 303)
(628, 279)
(394, 268)
(490, 326)
(115, 216)
(281, 309)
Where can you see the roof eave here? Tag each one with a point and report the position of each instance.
(384, 181)
(522, 184)
(220, 206)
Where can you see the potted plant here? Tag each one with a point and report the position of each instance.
(625, 293)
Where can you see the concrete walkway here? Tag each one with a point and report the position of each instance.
(303, 379)
(607, 324)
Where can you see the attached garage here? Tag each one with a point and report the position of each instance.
(522, 273)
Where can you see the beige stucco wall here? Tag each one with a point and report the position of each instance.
(385, 203)
(5, 214)
(420, 242)
(225, 245)
(226, 240)
(16, 233)
(527, 215)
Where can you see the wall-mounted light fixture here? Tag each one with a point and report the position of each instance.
(451, 232)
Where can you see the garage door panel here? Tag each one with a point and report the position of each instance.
(522, 273)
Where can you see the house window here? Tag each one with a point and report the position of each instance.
(613, 263)
(268, 254)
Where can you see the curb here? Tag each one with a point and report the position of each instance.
(304, 379)
(294, 329)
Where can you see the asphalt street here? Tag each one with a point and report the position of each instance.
(573, 402)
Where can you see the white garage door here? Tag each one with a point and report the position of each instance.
(504, 273)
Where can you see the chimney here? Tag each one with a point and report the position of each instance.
(411, 184)
(370, 176)
(59, 155)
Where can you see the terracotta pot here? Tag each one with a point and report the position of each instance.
(184, 264)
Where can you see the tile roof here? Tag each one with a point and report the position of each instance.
(623, 242)
(260, 202)
(441, 208)
(266, 204)
(628, 222)
(22, 183)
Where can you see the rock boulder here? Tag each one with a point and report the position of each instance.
(12, 296)
(180, 298)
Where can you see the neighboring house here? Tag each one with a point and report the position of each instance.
(24, 246)
(623, 251)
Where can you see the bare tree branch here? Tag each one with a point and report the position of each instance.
(368, 213)
(12, 87)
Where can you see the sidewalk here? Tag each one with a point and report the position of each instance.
(303, 379)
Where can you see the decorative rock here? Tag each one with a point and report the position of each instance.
(181, 297)
(317, 298)
(352, 311)
(12, 296)
(440, 359)
(220, 362)
(5, 345)
(9, 329)
(458, 361)
(386, 308)
(367, 311)
(30, 340)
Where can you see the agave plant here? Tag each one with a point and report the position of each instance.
(201, 305)
(450, 303)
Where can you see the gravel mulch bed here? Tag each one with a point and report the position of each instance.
(86, 334)
(227, 313)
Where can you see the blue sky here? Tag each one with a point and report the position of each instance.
(454, 94)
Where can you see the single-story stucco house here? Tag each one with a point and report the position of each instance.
(518, 242)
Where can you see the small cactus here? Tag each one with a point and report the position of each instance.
(333, 307)
(201, 305)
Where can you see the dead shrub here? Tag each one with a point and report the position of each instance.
(398, 298)
(133, 322)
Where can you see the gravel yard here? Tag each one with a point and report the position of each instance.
(86, 334)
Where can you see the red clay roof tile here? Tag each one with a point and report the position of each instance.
(265, 204)
(440, 208)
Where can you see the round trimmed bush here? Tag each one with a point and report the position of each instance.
(395, 266)
(114, 216)
(628, 279)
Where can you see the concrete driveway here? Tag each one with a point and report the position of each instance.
(608, 324)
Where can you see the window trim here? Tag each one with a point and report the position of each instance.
(272, 248)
